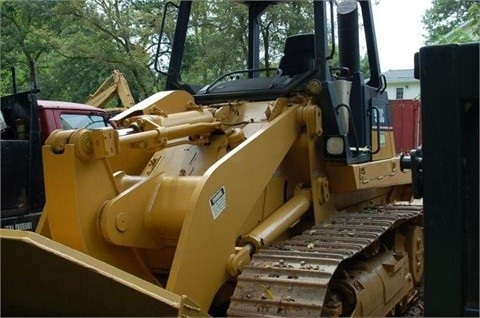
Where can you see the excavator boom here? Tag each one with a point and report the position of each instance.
(114, 86)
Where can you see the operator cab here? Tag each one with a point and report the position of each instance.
(295, 66)
(256, 67)
(268, 58)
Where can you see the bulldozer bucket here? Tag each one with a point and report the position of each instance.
(45, 278)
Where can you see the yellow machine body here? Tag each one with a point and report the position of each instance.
(57, 280)
(174, 211)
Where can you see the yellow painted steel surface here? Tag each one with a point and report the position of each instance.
(41, 277)
(182, 203)
(115, 85)
(367, 175)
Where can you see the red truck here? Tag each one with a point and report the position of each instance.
(25, 124)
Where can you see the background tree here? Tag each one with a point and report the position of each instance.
(280, 22)
(77, 44)
(459, 18)
(218, 36)
(217, 41)
(25, 25)
(114, 35)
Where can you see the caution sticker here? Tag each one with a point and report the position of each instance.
(218, 202)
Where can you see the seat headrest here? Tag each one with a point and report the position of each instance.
(300, 43)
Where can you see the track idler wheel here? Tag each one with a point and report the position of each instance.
(414, 246)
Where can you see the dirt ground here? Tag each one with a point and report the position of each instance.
(416, 308)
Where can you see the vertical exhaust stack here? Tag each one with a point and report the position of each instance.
(349, 57)
(343, 89)
(348, 39)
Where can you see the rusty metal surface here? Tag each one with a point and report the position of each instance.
(291, 278)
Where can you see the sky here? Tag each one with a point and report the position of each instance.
(399, 30)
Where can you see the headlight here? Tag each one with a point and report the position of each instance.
(335, 145)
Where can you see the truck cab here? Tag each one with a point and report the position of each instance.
(26, 123)
(66, 115)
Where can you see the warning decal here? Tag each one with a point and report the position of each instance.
(218, 202)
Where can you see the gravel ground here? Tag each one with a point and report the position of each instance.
(416, 307)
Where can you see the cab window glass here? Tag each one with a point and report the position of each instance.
(76, 121)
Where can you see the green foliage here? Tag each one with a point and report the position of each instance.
(280, 22)
(25, 26)
(113, 35)
(217, 42)
(76, 44)
(450, 21)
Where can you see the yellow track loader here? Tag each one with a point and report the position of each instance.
(259, 194)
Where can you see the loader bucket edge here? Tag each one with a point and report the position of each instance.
(40, 277)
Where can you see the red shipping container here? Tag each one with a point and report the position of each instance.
(407, 124)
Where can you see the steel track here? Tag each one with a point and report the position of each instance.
(292, 278)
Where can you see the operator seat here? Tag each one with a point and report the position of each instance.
(299, 55)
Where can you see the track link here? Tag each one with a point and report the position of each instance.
(292, 278)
